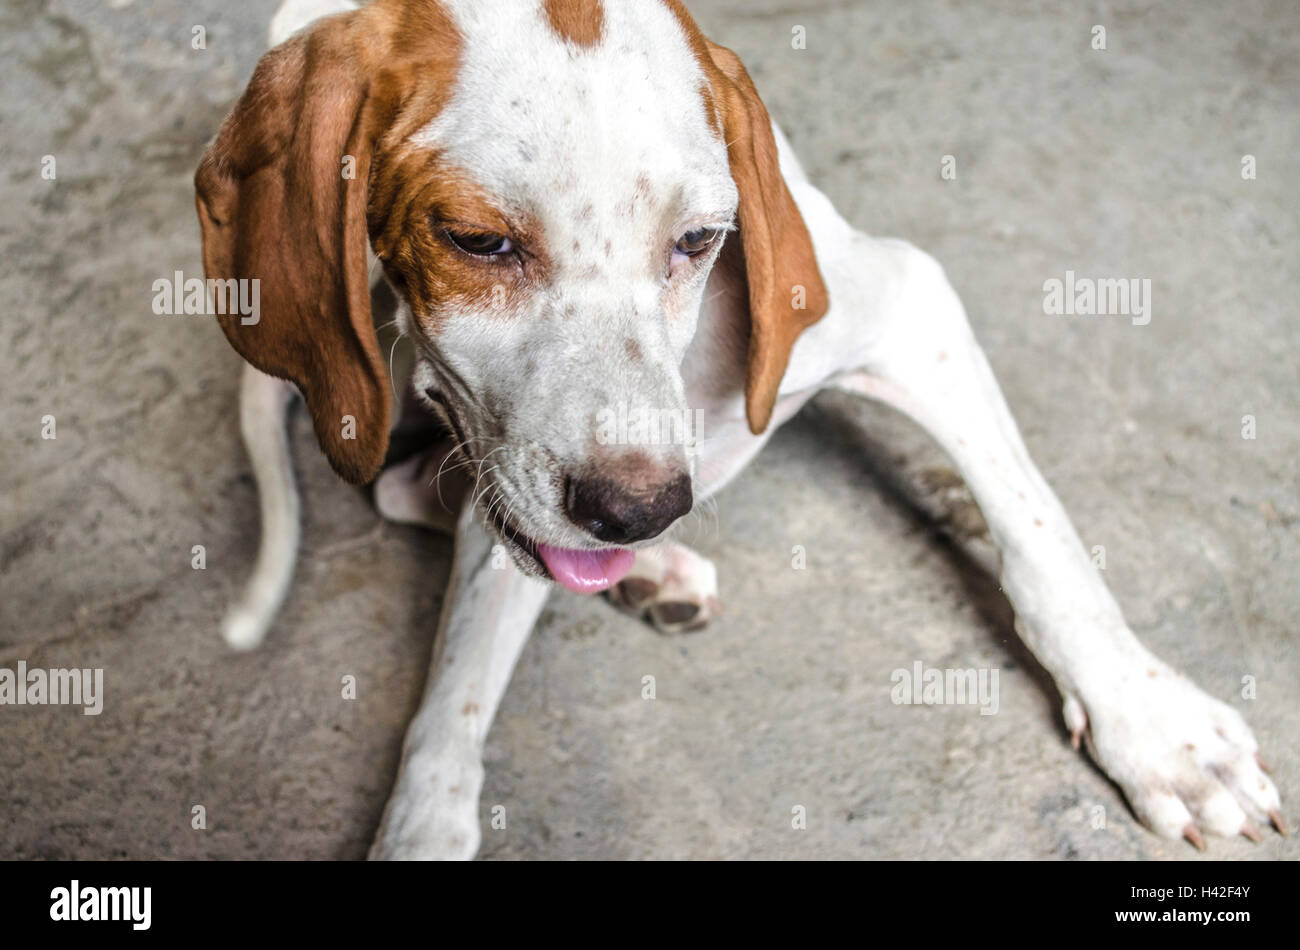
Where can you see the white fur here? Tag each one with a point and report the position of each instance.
(896, 332)
(263, 403)
(518, 124)
(487, 615)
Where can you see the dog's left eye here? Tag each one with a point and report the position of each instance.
(480, 245)
(694, 243)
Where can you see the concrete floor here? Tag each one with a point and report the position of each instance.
(1117, 163)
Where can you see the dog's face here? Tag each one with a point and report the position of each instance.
(555, 272)
(547, 194)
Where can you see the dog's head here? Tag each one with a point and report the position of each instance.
(547, 186)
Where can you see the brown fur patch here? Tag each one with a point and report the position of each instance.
(275, 205)
(414, 202)
(581, 22)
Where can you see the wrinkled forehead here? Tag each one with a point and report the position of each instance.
(544, 106)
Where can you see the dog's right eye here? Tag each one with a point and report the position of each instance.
(694, 243)
(480, 244)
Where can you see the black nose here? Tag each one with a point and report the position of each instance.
(617, 514)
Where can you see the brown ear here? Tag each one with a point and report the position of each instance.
(275, 206)
(786, 292)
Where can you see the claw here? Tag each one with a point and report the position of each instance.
(1250, 831)
(1279, 822)
(1193, 834)
(1076, 720)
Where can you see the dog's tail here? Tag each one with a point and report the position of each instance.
(263, 406)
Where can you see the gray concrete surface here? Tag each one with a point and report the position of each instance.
(1117, 163)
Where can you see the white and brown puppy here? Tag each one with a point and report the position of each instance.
(582, 205)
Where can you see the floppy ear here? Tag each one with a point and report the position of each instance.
(786, 292)
(282, 200)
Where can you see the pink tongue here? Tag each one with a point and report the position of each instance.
(587, 572)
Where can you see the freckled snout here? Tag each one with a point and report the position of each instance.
(622, 510)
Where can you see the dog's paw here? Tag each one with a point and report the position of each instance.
(671, 586)
(426, 490)
(1187, 763)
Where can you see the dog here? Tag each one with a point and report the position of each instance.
(584, 209)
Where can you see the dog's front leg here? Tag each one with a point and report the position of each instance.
(1186, 762)
(488, 612)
